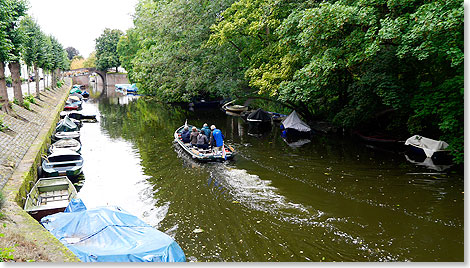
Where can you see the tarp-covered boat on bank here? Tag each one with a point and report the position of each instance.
(428, 147)
(110, 234)
(203, 154)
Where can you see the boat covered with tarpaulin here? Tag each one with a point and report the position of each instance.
(435, 149)
(293, 127)
(110, 234)
(124, 88)
(66, 125)
(259, 116)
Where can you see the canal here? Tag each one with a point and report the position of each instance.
(331, 199)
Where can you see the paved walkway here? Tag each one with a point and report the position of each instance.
(23, 128)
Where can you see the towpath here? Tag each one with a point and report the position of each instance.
(27, 135)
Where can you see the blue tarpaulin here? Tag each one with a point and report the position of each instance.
(127, 87)
(110, 234)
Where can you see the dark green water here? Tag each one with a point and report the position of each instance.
(332, 199)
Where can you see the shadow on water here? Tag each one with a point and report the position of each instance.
(329, 199)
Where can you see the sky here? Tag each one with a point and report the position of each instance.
(79, 23)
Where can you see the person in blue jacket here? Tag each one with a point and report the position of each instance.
(185, 135)
(217, 138)
(206, 130)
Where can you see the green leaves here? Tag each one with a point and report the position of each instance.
(106, 49)
(390, 64)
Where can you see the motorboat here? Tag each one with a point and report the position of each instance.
(204, 155)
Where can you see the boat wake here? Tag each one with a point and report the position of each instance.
(257, 194)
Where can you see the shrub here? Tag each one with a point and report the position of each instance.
(27, 104)
(60, 83)
(2, 127)
(30, 98)
(8, 80)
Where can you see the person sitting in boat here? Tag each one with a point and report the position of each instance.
(205, 128)
(193, 136)
(202, 140)
(217, 138)
(185, 135)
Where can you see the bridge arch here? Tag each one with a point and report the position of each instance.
(88, 72)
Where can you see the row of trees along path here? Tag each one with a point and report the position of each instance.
(21, 39)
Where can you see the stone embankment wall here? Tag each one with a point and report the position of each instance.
(21, 146)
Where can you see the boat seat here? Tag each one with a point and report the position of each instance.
(46, 197)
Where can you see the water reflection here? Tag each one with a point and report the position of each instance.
(327, 200)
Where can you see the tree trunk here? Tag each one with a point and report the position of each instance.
(16, 81)
(53, 82)
(116, 69)
(36, 75)
(44, 79)
(3, 88)
(27, 78)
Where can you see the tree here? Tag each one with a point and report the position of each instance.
(33, 47)
(72, 52)
(90, 62)
(11, 37)
(46, 58)
(349, 62)
(59, 60)
(77, 62)
(167, 55)
(106, 49)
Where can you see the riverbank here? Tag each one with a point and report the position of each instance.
(23, 239)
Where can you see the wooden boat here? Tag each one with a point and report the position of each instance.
(235, 108)
(63, 162)
(201, 154)
(49, 196)
(379, 140)
(71, 144)
(67, 135)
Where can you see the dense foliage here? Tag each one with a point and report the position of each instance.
(167, 52)
(390, 65)
(106, 49)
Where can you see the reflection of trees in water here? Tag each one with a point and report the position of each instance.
(140, 118)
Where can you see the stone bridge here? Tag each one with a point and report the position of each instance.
(87, 72)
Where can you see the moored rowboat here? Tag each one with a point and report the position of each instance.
(49, 196)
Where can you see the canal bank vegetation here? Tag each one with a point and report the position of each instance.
(22, 40)
(395, 66)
